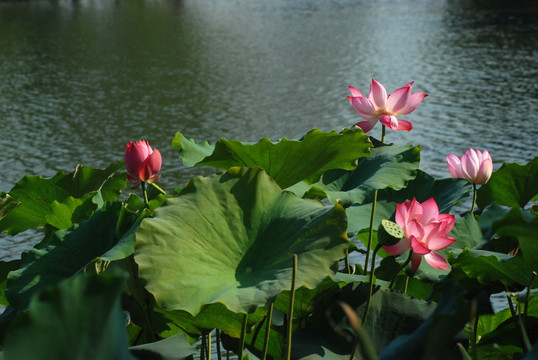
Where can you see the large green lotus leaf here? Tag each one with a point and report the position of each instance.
(40, 199)
(490, 267)
(524, 226)
(229, 238)
(287, 161)
(387, 166)
(80, 318)
(512, 185)
(67, 253)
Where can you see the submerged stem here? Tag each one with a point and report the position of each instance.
(370, 234)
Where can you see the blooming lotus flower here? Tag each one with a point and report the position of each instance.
(473, 166)
(379, 106)
(142, 162)
(425, 231)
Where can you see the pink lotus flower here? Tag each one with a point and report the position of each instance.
(425, 231)
(473, 166)
(379, 106)
(142, 162)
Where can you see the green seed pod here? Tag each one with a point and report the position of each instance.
(389, 233)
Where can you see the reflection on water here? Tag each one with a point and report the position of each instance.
(78, 79)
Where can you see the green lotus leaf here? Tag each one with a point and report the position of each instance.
(230, 238)
(490, 267)
(175, 347)
(386, 167)
(522, 225)
(80, 318)
(446, 192)
(67, 253)
(435, 337)
(286, 161)
(42, 200)
(512, 185)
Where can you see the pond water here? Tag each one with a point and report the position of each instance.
(78, 79)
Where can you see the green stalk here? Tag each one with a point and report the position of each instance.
(145, 193)
(464, 354)
(365, 315)
(243, 336)
(217, 340)
(370, 234)
(209, 346)
(348, 269)
(202, 348)
(527, 296)
(474, 198)
(292, 300)
(401, 268)
(525, 342)
(383, 134)
(267, 331)
(475, 338)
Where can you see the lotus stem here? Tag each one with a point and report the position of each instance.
(209, 345)
(292, 300)
(464, 354)
(527, 296)
(383, 134)
(217, 340)
(401, 268)
(144, 191)
(202, 348)
(346, 261)
(371, 286)
(243, 336)
(370, 234)
(475, 337)
(525, 342)
(267, 331)
(474, 198)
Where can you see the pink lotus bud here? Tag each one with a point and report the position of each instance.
(473, 166)
(142, 162)
(425, 231)
(380, 106)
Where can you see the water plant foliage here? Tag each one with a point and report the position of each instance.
(267, 254)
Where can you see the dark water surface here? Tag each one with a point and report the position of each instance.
(78, 79)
